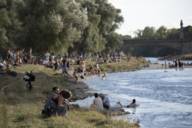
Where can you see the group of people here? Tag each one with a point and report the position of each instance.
(57, 103)
(178, 64)
(16, 57)
(19, 56)
(56, 62)
(101, 102)
(62, 64)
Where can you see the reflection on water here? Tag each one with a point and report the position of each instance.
(165, 98)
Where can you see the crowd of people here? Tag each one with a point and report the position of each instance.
(57, 102)
(16, 57)
(62, 63)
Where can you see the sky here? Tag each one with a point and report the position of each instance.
(140, 13)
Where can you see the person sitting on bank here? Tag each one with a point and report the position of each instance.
(106, 102)
(54, 94)
(63, 104)
(50, 107)
(132, 104)
(57, 103)
(97, 103)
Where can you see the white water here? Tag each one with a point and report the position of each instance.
(165, 98)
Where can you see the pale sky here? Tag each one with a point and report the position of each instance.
(140, 13)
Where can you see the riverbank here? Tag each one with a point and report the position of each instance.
(28, 115)
(164, 98)
(125, 65)
(20, 108)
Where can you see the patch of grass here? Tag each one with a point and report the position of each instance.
(35, 69)
(28, 116)
(3, 116)
(125, 65)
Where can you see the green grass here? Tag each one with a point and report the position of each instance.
(28, 116)
(125, 65)
(35, 69)
(22, 109)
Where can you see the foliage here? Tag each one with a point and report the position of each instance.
(52, 25)
(9, 23)
(164, 33)
(58, 25)
(103, 19)
(114, 42)
(161, 33)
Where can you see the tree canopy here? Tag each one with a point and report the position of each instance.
(59, 25)
(164, 33)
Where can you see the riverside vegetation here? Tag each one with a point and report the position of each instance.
(22, 109)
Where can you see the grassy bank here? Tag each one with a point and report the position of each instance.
(129, 64)
(22, 109)
(28, 116)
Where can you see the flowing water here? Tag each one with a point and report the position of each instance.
(164, 98)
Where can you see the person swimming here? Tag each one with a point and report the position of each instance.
(132, 104)
(104, 76)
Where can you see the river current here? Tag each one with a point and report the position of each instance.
(164, 98)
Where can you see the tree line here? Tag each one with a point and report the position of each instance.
(60, 26)
(163, 33)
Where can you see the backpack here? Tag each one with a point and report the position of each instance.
(32, 77)
(49, 108)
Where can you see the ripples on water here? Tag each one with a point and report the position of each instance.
(165, 98)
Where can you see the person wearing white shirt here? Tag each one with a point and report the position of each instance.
(98, 103)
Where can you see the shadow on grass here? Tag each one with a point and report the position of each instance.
(14, 90)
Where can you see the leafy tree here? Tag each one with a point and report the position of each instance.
(161, 33)
(52, 25)
(139, 34)
(9, 23)
(148, 33)
(103, 19)
(173, 34)
(59, 25)
(114, 42)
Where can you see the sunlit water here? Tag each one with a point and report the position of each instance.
(154, 60)
(165, 98)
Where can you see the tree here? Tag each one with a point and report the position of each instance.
(9, 23)
(173, 34)
(161, 33)
(139, 34)
(59, 25)
(114, 42)
(103, 19)
(52, 25)
(148, 33)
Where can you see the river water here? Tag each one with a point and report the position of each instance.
(164, 98)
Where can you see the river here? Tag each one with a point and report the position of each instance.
(164, 98)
